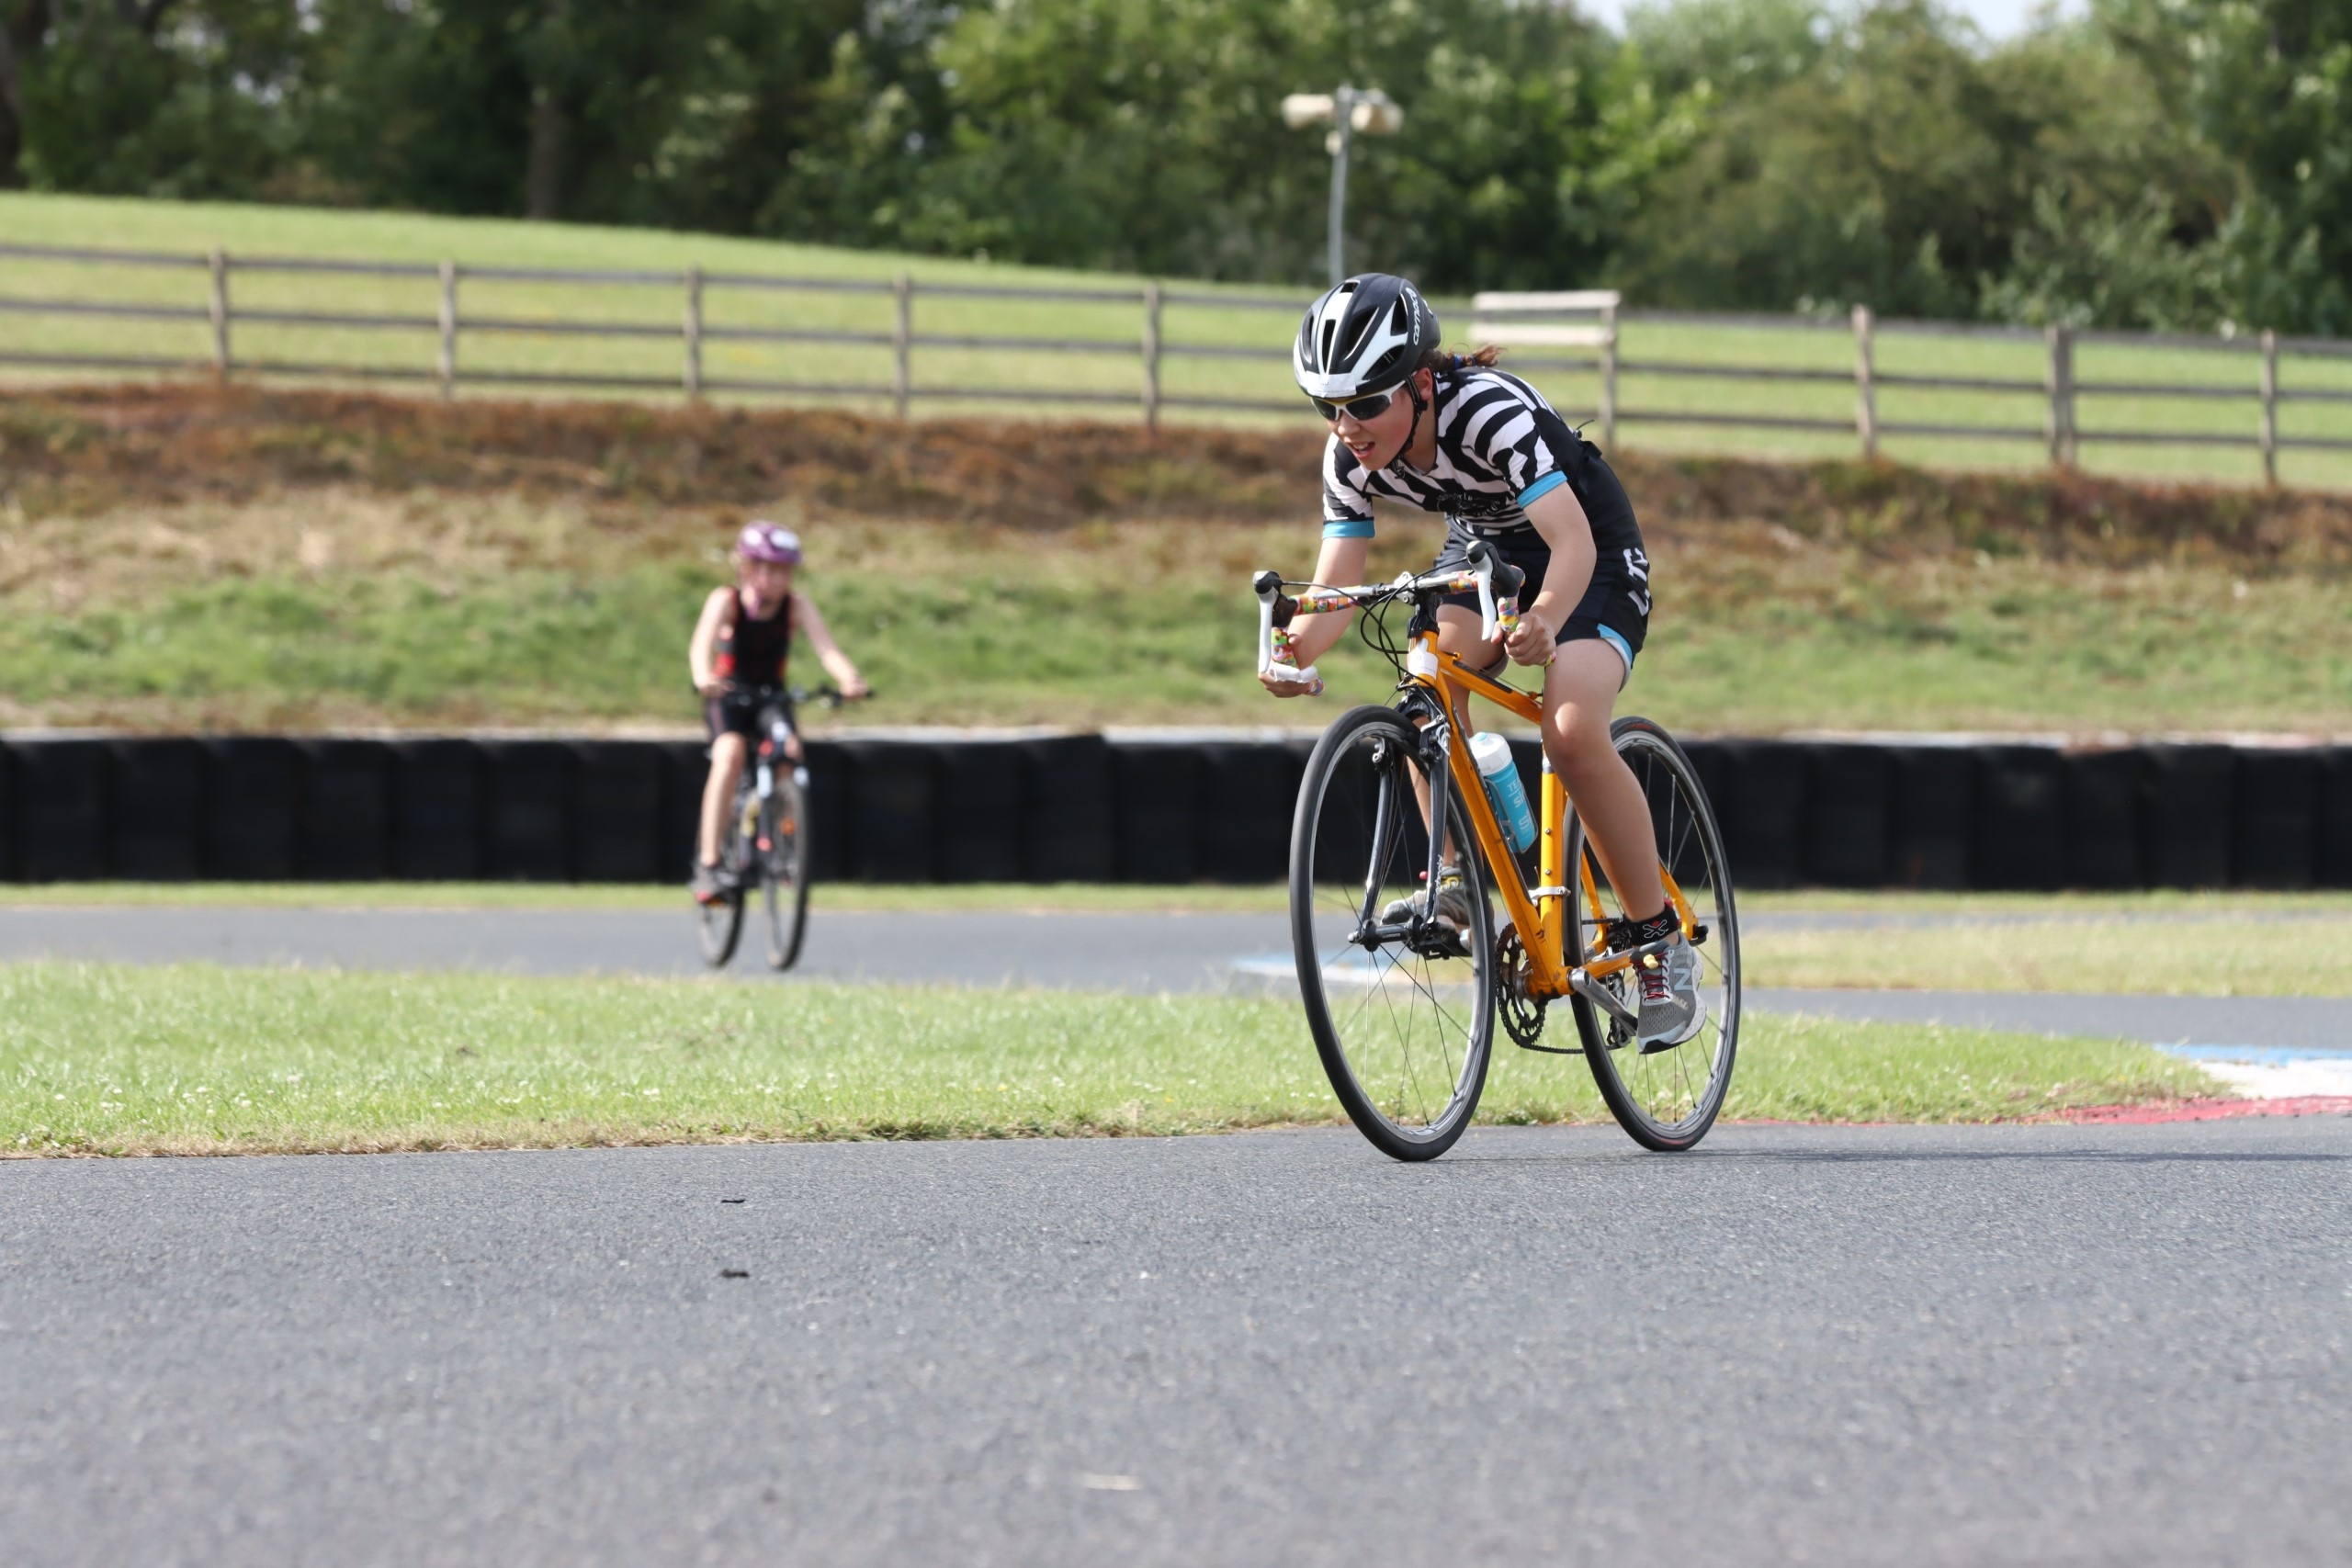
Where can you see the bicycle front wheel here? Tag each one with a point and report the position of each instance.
(1403, 1021)
(722, 923)
(784, 869)
(1667, 1099)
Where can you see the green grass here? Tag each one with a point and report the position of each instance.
(1112, 372)
(205, 1060)
(438, 611)
(2223, 957)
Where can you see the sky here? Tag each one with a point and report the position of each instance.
(1998, 18)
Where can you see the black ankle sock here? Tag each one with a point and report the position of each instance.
(1657, 928)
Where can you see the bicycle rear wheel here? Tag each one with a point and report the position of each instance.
(784, 880)
(721, 925)
(1404, 1025)
(1667, 1099)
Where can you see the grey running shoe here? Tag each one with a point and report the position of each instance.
(1453, 904)
(709, 884)
(1672, 1008)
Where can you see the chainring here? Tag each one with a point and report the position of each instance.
(1523, 1014)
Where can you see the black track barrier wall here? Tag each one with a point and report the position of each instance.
(829, 809)
(527, 787)
(2102, 819)
(1249, 795)
(1763, 812)
(1173, 809)
(889, 811)
(436, 811)
(617, 818)
(976, 812)
(155, 809)
(253, 809)
(686, 766)
(2274, 825)
(2333, 851)
(2184, 816)
(61, 809)
(1069, 832)
(1848, 816)
(343, 829)
(2017, 832)
(1933, 791)
(1159, 795)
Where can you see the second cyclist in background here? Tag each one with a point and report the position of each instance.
(737, 659)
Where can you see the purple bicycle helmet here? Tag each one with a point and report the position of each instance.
(770, 542)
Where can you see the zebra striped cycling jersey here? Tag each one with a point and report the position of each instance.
(1500, 446)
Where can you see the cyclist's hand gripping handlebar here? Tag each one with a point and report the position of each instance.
(1276, 658)
(1495, 572)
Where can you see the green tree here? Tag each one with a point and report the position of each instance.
(1910, 168)
(2270, 85)
(146, 97)
(1148, 134)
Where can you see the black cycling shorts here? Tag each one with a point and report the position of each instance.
(742, 713)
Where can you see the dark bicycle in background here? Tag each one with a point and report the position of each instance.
(766, 849)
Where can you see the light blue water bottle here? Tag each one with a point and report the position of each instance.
(1504, 792)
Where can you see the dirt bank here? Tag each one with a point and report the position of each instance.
(87, 451)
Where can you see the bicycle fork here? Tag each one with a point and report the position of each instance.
(763, 785)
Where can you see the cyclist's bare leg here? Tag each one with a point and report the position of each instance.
(727, 757)
(1579, 694)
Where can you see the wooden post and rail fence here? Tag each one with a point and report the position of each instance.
(1238, 341)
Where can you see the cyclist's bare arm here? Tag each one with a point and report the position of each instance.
(718, 615)
(1560, 518)
(829, 652)
(1341, 561)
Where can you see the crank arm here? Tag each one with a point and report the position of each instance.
(1599, 996)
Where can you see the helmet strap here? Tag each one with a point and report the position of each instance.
(1420, 406)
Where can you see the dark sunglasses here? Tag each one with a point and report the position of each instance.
(1371, 407)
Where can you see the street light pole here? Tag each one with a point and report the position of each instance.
(1346, 111)
(1343, 137)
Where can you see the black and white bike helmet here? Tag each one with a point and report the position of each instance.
(1362, 336)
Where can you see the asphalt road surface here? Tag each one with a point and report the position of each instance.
(1138, 952)
(2015, 1345)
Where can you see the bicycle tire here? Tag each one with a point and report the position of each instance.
(721, 924)
(783, 876)
(1404, 1038)
(1655, 1098)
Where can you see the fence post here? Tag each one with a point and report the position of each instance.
(1609, 377)
(693, 334)
(2062, 395)
(218, 262)
(1866, 380)
(1151, 357)
(449, 361)
(2269, 407)
(901, 341)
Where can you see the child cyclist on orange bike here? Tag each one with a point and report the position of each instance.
(1451, 433)
(737, 660)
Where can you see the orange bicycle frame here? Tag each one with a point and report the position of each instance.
(1542, 910)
